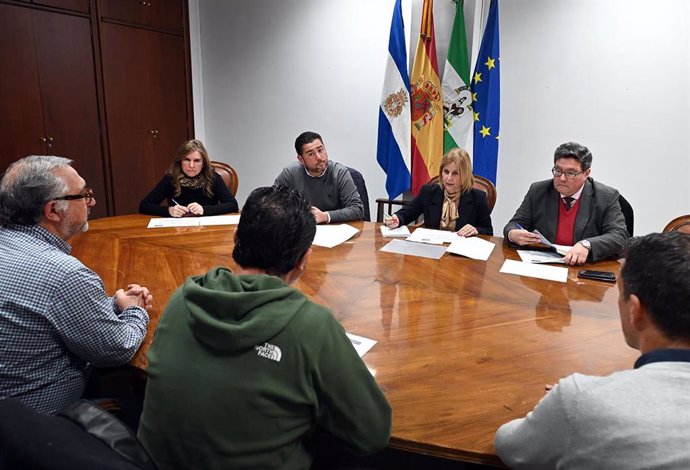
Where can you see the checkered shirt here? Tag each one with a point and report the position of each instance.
(56, 321)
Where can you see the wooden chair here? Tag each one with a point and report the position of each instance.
(488, 187)
(229, 175)
(383, 202)
(479, 183)
(679, 224)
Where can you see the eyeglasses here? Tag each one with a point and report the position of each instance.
(568, 174)
(86, 195)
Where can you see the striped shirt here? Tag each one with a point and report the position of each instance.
(56, 320)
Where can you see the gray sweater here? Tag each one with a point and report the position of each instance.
(633, 419)
(333, 192)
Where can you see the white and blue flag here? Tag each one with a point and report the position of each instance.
(394, 148)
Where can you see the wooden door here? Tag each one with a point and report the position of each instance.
(68, 92)
(48, 101)
(21, 114)
(145, 93)
(169, 103)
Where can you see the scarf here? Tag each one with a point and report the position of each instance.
(192, 183)
(449, 213)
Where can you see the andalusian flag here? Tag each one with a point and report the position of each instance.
(486, 92)
(393, 148)
(427, 104)
(457, 98)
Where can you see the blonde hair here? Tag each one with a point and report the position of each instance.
(462, 159)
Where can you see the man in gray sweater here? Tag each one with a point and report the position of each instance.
(326, 184)
(632, 419)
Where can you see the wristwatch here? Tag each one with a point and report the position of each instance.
(586, 244)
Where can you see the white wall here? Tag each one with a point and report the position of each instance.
(611, 74)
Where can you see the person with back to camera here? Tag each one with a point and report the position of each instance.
(245, 371)
(191, 187)
(450, 204)
(634, 419)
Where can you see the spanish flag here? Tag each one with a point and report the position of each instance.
(427, 104)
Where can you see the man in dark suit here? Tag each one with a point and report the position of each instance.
(571, 209)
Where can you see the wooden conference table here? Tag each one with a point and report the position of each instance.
(461, 347)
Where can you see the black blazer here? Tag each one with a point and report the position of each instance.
(473, 209)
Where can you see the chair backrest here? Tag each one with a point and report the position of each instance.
(229, 175)
(488, 187)
(482, 184)
(628, 213)
(383, 202)
(679, 224)
(361, 186)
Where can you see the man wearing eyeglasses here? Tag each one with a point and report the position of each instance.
(571, 209)
(56, 320)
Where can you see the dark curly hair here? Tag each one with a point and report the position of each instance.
(276, 229)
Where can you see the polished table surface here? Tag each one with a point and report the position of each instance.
(461, 347)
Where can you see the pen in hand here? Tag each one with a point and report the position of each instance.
(185, 210)
(390, 221)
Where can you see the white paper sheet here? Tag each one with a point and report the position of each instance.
(540, 271)
(173, 222)
(333, 235)
(400, 232)
(435, 237)
(231, 219)
(538, 257)
(362, 345)
(425, 250)
(472, 247)
(164, 222)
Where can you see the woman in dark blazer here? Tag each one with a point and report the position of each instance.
(452, 203)
(191, 187)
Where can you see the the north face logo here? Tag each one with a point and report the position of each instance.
(269, 351)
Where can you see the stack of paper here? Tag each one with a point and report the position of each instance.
(435, 237)
(538, 257)
(402, 232)
(560, 249)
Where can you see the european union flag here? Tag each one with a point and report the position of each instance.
(486, 94)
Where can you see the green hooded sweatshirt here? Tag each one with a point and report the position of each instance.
(244, 368)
